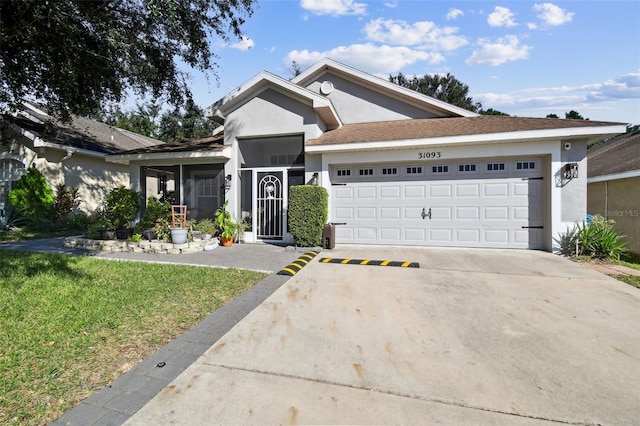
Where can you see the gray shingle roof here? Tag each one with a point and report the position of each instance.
(83, 133)
(617, 155)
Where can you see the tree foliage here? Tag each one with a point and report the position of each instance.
(177, 125)
(183, 124)
(77, 56)
(446, 88)
(573, 115)
(492, 111)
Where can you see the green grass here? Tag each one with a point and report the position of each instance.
(70, 325)
(630, 260)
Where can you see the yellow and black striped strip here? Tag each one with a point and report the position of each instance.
(293, 268)
(371, 262)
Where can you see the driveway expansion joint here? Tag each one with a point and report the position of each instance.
(395, 393)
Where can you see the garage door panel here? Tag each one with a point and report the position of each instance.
(441, 213)
(496, 213)
(390, 192)
(390, 213)
(482, 209)
(366, 213)
(468, 190)
(366, 192)
(468, 213)
(440, 191)
(468, 236)
(392, 234)
(367, 233)
(496, 190)
(496, 236)
(418, 235)
(415, 191)
(441, 236)
(344, 213)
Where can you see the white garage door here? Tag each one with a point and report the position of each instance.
(464, 204)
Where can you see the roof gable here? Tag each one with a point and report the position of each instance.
(265, 80)
(404, 94)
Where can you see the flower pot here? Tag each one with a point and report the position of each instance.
(226, 242)
(179, 235)
(123, 234)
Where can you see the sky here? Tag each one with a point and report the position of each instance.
(524, 58)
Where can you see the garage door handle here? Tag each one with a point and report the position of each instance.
(426, 214)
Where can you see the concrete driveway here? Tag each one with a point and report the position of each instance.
(471, 337)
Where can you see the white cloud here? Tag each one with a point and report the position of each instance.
(501, 17)
(245, 43)
(391, 5)
(503, 50)
(334, 7)
(378, 60)
(426, 34)
(454, 14)
(552, 15)
(598, 101)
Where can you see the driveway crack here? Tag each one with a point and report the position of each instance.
(400, 394)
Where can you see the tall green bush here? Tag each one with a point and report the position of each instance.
(32, 198)
(122, 206)
(308, 212)
(155, 210)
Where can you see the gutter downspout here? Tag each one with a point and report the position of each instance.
(606, 200)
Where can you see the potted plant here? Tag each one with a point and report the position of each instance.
(206, 228)
(225, 225)
(122, 207)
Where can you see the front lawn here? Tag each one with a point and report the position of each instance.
(70, 325)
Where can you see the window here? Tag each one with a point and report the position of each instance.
(344, 172)
(467, 167)
(494, 167)
(440, 169)
(389, 171)
(526, 165)
(414, 170)
(366, 172)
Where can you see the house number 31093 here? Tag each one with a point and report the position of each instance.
(427, 155)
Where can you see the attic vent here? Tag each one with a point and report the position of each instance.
(326, 87)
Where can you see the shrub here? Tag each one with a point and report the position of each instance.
(206, 226)
(308, 211)
(66, 200)
(598, 239)
(122, 206)
(155, 210)
(32, 198)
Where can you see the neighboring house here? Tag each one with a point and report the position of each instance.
(65, 153)
(400, 168)
(613, 184)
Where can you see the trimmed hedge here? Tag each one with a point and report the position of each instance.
(308, 212)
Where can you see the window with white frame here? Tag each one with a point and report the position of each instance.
(440, 169)
(414, 170)
(389, 171)
(365, 172)
(343, 172)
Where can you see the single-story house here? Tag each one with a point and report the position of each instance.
(401, 168)
(613, 184)
(65, 153)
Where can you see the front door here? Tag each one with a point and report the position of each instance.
(270, 205)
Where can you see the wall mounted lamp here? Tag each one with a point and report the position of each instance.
(570, 171)
(314, 179)
(227, 182)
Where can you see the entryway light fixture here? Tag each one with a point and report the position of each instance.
(314, 179)
(227, 182)
(570, 171)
